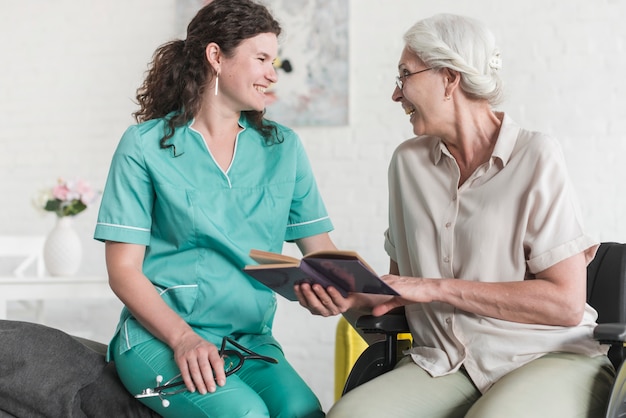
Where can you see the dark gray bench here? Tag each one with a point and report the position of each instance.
(45, 372)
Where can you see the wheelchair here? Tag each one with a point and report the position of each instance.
(606, 292)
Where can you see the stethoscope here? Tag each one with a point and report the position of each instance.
(162, 390)
(232, 365)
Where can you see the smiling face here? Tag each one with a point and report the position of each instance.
(245, 76)
(422, 94)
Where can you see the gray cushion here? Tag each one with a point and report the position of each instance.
(45, 372)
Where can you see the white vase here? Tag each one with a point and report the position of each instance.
(62, 251)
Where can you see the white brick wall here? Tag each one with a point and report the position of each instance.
(69, 71)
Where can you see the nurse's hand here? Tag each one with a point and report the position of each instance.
(200, 364)
(324, 302)
(329, 302)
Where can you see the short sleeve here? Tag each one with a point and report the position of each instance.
(390, 248)
(308, 215)
(127, 200)
(555, 229)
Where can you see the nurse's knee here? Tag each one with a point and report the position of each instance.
(300, 411)
(244, 407)
(300, 407)
(245, 412)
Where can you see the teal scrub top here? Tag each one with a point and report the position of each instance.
(198, 223)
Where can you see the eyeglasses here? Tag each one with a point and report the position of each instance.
(233, 361)
(400, 78)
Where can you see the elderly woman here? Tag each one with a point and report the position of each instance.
(487, 250)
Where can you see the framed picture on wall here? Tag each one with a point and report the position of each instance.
(312, 64)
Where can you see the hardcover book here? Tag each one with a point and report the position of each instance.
(346, 271)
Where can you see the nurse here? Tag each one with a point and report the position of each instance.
(198, 182)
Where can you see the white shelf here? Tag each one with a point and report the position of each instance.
(48, 288)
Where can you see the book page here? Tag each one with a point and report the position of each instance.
(266, 257)
(333, 254)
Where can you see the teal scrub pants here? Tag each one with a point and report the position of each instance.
(560, 385)
(258, 389)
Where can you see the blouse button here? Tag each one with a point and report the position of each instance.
(446, 259)
(448, 224)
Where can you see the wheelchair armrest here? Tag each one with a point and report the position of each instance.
(393, 322)
(610, 333)
(381, 356)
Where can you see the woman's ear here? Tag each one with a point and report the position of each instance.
(451, 80)
(451, 76)
(213, 55)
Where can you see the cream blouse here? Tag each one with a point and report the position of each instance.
(515, 216)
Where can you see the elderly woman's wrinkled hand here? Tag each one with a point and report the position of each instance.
(411, 290)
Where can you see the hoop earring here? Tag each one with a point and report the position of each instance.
(217, 82)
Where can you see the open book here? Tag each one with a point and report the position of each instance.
(346, 271)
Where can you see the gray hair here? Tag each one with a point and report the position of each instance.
(461, 44)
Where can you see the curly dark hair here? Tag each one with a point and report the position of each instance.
(179, 72)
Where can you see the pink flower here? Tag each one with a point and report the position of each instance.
(87, 194)
(68, 197)
(60, 191)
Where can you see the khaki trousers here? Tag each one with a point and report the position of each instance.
(553, 386)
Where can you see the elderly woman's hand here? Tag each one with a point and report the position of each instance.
(411, 290)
